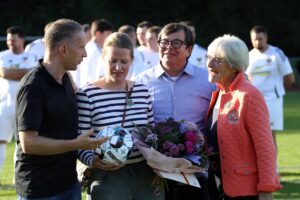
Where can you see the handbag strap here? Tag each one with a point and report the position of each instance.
(128, 94)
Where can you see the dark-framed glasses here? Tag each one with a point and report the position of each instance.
(214, 61)
(176, 44)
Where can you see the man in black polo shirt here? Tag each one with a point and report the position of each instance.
(47, 120)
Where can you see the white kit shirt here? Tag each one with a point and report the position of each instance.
(142, 48)
(8, 88)
(137, 66)
(151, 58)
(88, 70)
(37, 47)
(197, 57)
(267, 70)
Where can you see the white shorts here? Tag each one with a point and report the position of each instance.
(7, 124)
(275, 107)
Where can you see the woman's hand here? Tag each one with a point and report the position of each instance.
(265, 196)
(99, 164)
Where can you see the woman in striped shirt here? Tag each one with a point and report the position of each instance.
(100, 105)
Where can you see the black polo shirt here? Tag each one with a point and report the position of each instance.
(48, 107)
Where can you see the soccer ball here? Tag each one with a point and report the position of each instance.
(117, 148)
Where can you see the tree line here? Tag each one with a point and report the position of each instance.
(212, 18)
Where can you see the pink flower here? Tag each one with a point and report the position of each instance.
(189, 147)
(191, 136)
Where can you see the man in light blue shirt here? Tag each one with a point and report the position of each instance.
(179, 90)
(185, 96)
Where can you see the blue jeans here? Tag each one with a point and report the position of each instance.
(72, 193)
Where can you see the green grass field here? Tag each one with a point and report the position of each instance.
(288, 145)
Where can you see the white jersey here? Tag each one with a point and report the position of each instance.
(8, 88)
(141, 48)
(137, 66)
(267, 70)
(151, 58)
(88, 70)
(37, 48)
(197, 57)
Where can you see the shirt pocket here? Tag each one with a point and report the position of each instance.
(246, 170)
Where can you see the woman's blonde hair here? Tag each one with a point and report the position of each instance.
(118, 40)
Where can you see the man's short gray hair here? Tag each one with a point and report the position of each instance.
(60, 30)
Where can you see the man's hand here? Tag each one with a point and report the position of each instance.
(85, 141)
(12, 73)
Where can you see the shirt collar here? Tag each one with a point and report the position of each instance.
(188, 69)
(236, 82)
(48, 76)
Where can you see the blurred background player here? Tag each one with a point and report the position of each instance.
(271, 72)
(37, 47)
(197, 57)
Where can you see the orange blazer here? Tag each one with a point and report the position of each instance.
(247, 150)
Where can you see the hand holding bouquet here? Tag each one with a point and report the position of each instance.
(174, 146)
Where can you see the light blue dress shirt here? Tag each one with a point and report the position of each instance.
(185, 97)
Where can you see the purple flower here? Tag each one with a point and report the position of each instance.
(168, 154)
(197, 147)
(189, 147)
(166, 145)
(191, 136)
(165, 130)
(174, 150)
(181, 147)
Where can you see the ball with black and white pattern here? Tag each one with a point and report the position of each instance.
(117, 148)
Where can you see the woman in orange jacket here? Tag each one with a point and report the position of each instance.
(242, 151)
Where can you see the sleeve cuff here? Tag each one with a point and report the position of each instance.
(262, 187)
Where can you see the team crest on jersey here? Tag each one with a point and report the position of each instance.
(233, 117)
(199, 59)
(269, 60)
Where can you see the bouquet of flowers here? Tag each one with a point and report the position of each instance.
(173, 146)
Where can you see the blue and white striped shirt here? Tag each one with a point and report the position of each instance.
(100, 108)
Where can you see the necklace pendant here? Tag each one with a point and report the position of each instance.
(130, 102)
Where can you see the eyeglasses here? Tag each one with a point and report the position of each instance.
(176, 44)
(215, 61)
